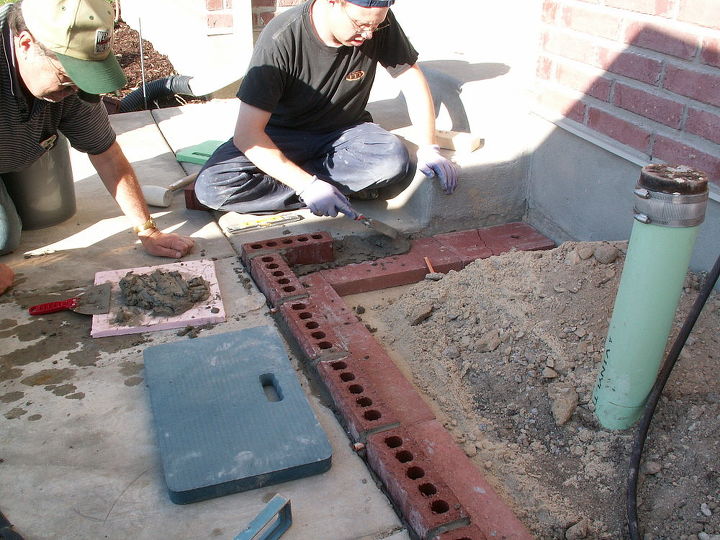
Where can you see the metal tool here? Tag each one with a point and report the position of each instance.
(379, 226)
(279, 506)
(92, 301)
(263, 222)
(162, 196)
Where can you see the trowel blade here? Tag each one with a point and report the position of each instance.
(379, 226)
(95, 300)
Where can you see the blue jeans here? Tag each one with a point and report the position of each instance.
(10, 224)
(353, 159)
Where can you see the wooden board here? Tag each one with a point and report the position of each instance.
(208, 311)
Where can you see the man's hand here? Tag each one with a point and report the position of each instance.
(6, 277)
(432, 162)
(324, 199)
(163, 244)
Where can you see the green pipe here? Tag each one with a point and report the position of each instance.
(670, 205)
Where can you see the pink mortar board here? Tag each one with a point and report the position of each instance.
(201, 313)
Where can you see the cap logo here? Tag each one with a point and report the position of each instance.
(355, 75)
(103, 41)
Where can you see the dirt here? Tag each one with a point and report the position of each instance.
(507, 352)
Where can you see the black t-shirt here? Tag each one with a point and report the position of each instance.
(310, 86)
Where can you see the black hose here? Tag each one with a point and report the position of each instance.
(175, 84)
(654, 397)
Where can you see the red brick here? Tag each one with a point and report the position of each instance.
(651, 7)
(487, 510)
(362, 410)
(592, 21)
(212, 5)
(191, 201)
(619, 129)
(704, 124)
(544, 68)
(263, 3)
(672, 151)
(563, 102)
(570, 46)
(701, 12)
(584, 80)
(631, 65)
(329, 302)
(467, 244)
(442, 258)
(262, 18)
(520, 236)
(660, 109)
(374, 275)
(465, 533)
(549, 11)
(663, 39)
(386, 378)
(426, 502)
(313, 333)
(220, 20)
(311, 248)
(704, 87)
(710, 54)
(275, 279)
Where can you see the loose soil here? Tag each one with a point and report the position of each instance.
(507, 351)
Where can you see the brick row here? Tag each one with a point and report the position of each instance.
(518, 235)
(313, 248)
(276, 279)
(329, 302)
(313, 333)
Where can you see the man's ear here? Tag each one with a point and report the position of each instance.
(24, 42)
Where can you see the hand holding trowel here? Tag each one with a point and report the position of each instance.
(92, 301)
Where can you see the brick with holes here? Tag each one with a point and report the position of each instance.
(275, 279)
(411, 478)
(362, 411)
(329, 302)
(311, 248)
(520, 236)
(464, 533)
(313, 333)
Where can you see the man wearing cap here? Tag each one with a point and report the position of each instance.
(303, 136)
(55, 58)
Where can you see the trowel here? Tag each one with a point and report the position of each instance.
(379, 226)
(92, 301)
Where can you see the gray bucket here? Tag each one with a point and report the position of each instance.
(44, 194)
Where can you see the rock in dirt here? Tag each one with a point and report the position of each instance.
(577, 531)
(420, 313)
(585, 252)
(606, 254)
(489, 341)
(564, 401)
(652, 467)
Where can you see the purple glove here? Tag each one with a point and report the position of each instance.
(432, 162)
(324, 199)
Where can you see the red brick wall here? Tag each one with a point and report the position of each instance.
(219, 14)
(645, 73)
(264, 10)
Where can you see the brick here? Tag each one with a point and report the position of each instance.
(191, 201)
(596, 22)
(549, 11)
(362, 410)
(520, 236)
(702, 86)
(570, 46)
(424, 499)
(486, 509)
(329, 302)
(651, 7)
(562, 102)
(544, 69)
(663, 39)
(584, 80)
(705, 124)
(660, 109)
(700, 12)
(710, 53)
(311, 248)
(275, 279)
(621, 130)
(390, 384)
(467, 244)
(672, 151)
(464, 533)
(220, 20)
(313, 333)
(263, 3)
(442, 258)
(631, 65)
(213, 5)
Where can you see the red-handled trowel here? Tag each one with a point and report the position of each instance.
(92, 301)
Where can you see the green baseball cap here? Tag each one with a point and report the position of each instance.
(80, 33)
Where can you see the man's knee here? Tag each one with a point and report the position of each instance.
(10, 223)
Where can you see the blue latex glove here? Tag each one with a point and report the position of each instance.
(432, 163)
(324, 199)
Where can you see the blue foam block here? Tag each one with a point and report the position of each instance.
(230, 415)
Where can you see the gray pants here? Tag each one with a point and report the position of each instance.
(360, 157)
(10, 224)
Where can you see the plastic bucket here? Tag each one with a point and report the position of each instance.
(44, 194)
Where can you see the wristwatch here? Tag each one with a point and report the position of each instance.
(149, 224)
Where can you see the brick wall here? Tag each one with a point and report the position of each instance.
(219, 14)
(645, 73)
(264, 10)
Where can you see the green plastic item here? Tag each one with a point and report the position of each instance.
(199, 153)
